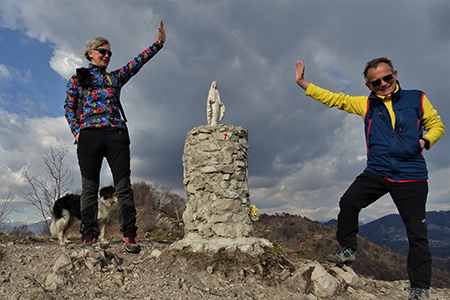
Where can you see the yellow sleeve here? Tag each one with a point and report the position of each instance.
(431, 122)
(351, 104)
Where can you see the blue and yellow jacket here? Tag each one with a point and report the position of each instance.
(393, 127)
(100, 103)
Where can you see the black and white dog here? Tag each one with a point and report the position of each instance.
(66, 211)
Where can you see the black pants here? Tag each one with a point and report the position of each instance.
(410, 199)
(114, 145)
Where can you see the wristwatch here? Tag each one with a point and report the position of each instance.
(427, 143)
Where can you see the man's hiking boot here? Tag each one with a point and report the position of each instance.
(89, 242)
(342, 256)
(131, 245)
(419, 294)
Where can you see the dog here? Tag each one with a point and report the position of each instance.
(67, 210)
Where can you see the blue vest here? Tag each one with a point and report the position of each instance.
(396, 153)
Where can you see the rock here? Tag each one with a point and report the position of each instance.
(93, 264)
(347, 276)
(54, 281)
(5, 276)
(64, 263)
(155, 253)
(318, 281)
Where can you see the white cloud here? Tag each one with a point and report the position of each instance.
(4, 73)
(65, 62)
(8, 73)
(25, 141)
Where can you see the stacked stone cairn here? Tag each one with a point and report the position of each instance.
(215, 178)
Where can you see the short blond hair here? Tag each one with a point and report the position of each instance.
(94, 43)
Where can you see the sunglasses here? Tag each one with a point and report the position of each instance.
(386, 78)
(103, 51)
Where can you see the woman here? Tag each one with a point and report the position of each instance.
(96, 119)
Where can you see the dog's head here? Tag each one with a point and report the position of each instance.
(108, 193)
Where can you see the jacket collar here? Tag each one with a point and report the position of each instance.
(395, 95)
(96, 69)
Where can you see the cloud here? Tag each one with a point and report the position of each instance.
(4, 73)
(8, 73)
(24, 143)
(64, 62)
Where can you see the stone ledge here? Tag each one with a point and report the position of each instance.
(251, 245)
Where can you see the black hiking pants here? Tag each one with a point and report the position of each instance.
(410, 199)
(114, 145)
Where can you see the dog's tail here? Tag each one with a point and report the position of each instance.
(56, 221)
(53, 226)
(56, 215)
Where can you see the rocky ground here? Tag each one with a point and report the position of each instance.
(42, 269)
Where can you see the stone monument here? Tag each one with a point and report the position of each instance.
(218, 211)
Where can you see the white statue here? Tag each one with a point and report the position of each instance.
(215, 109)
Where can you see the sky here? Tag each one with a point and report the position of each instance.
(302, 156)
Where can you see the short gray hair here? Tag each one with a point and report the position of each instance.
(374, 63)
(94, 43)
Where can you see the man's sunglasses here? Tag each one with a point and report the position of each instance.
(377, 82)
(103, 51)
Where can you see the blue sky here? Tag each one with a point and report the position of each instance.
(302, 155)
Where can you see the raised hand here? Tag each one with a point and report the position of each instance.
(161, 33)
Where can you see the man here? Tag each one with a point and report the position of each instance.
(394, 123)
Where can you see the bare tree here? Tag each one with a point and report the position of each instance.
(166, 200)
(165, 196)
(5, 206)
(177, 205)
(44, 190)
(144, 196)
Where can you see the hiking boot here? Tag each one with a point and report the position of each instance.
(89, 242)
(419, 294)
(342, 255)
(131, 245)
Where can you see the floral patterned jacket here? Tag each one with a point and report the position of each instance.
(100, 102)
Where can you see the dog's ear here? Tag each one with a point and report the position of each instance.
(104, 192)
(107, 192)
(113, 192)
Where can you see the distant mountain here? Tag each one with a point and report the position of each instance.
(333, 222)
(390, 231)
(38, 227)
(35, 228)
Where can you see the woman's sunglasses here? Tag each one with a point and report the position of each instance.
(103, 51)
(377, 82)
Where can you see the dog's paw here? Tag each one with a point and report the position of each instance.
(64, 242)
(103, 241)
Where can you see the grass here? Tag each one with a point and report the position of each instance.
(277, 249)
(218, 259)
(161, 235)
